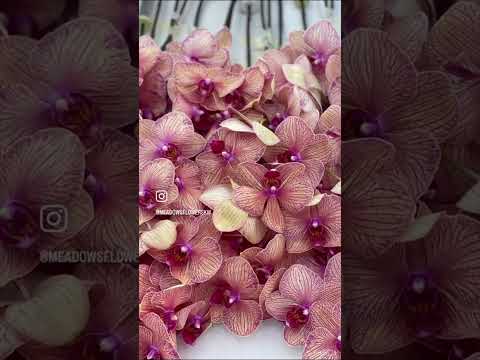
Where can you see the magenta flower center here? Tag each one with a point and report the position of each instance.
(76, 113)
(95, 187)
(146, 199)
(169, 319)
(179, 254)
(319, 60)
(153, 353)
(422, 305)
(338, 343)
(193, 329)
(297, 316)
(272, 182)
(170, 151)
(289, 156)
(19, 227)
(317, 232)
(235, 99)
(206, 87)
(217, 146)
(225, 295)
(276, 120)
(179, 182)
(263, 272)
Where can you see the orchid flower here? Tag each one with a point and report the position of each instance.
(299, 289)
(195, 256)
(298, 143)
(271, 193)
(171, 137)
(227, 149)
(315, 226)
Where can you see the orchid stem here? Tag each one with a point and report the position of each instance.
(249, 18)
(228, 21)
(280, 23)
(197, 14)
(262, 14)
(155, 20)
(304, 14)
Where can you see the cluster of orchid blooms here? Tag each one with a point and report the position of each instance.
(255, 154)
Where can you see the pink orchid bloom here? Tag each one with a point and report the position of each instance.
(325, 339)
(154, 277)
(265, 261)
(315, 226)
(172, 137)
(318, 42)
(195, 256)
(206, 86)
(290, 101)
(154, 340)
(193, 321)
(233, 243)
(234, 291)
(249, 92)
(39, 170)
(299, 289)
(166, 303)
(228, 149)
(155, 177)
(203, 120)
(300, 144)
(155, 67)
(330, 124)
(273, 60)
(201, 47)
(271, 193)
(187, 180)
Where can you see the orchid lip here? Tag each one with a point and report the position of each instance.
(152, 353)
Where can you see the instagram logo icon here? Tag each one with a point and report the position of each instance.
(161, 196)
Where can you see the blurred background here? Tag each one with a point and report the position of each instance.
(256, 25)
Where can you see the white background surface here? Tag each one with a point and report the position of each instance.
(217, 343)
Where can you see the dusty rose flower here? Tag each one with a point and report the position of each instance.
(315, 226)
(234, 291)
(155, 67)
(271, 64)
(228, 149)
(318, 42)
(188, 182)
(300, 144)
(195, 256)
(433, 297)
(114, 225)
(249, 92)
(413, 111)
(154, 277)
(166, 303)
(206, 86)
(299, 289)
(203, 120)
(270, 193)
(290, 101)
(325, 339)
(193, 321)
(264, 261)
(171, 137)
(86, 88)
(377, 207)
(156, 176)
(200, 47)
(39, 170)
(154, 339)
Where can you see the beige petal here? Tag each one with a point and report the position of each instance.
(228, 217)
(161, 236)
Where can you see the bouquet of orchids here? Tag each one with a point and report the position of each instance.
(239, 191)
